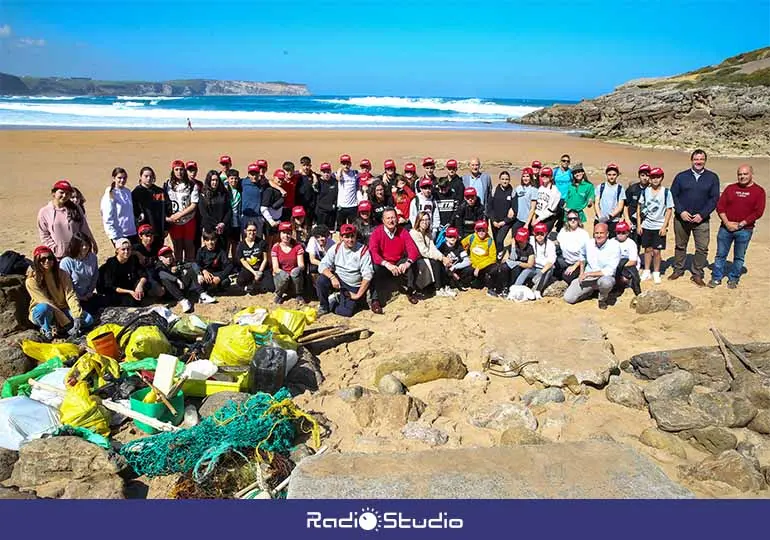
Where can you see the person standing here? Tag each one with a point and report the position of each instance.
(117, 208)
(214, 206)
(326, 197)
(347, 188)
(653, 217)
(183, 222)
(739, 207)
(233, 228)
(61, 219)
(598, 272)
(562, 179)
(633, 194)
(306, 183)
(481, 182)
(503, 211)
(151, 206)
(251, 199)
(455, 180)
(536, 165)
(610, 199)
(696, 192)
(580, 194)
(390, 176)
(548, 201)
(526, 199)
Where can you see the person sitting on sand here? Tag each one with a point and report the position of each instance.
(545, 257)
(483, 255)
(83, 268)
(468, 213)
(627, 272)
(179, 280)
(122, 280)
(364, 223)
(288, 263)
(431, 268)
(393, 254)
(151, 206)
(320, 242)
(253, 259)
(60, 219)
(520, 265)
(54, 305)
(214, 268)
(460, 271)
(326, 197)
(117, 208)
(572, 241)
(598, 272)
(347, 268)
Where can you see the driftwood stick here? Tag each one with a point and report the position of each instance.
(318, 335)
(746, 362)
(314, 329)
(160, 395)
(319, 339)
(728, 362)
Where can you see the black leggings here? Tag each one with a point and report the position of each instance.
(499, 235)
(631, 274)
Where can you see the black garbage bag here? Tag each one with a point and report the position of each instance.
(267, 370)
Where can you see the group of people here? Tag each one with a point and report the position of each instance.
(420, 233)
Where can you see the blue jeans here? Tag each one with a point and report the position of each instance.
(724, 239)
(42, 316)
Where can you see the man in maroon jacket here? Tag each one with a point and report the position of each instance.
(739, 207)
(393, 254)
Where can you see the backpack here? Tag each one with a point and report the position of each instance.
(601, 192)
(13, 263)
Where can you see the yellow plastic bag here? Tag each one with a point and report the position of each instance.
(251, 316)
(95, 367)
(145, 342)
(81, 409)
(291, 321)
(234, 346)
(43, 352)
(102, 329)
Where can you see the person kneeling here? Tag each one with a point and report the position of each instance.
(347, 268)
(460, 270)
(54, 304)
(627, 273)
(598, 273)
(213, 266)
(288, 258)
(180, 280)
(122, 279)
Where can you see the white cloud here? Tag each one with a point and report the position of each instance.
(5, 31)
(29, 42)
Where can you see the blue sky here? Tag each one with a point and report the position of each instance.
(567, 50)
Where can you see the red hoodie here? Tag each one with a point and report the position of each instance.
(403, 201)
(383, 248)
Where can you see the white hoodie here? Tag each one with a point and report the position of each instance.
(118, 213)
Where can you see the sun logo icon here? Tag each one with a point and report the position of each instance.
(369, 520)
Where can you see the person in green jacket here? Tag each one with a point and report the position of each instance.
(580, 194)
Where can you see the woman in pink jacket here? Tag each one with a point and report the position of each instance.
(60, 219)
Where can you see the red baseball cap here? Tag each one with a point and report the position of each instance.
(425, 182)
(191, 165)
(480, 225)
(522, 235)
(364, 206)
(645, 168)
(165, 250)
(410, 167)
(612, 167)
(63, 185)
(298, 211)
(365, 164)
(262, 163)
(451, 164)
(326, 167)
(622, 226)
(344, 158)
(347, 228)
(177, 163)
(254, 167)
(40, 250)
(428, 161)
(225, 159)
(536, 164)
(656, 171)
(469, 192)
(541, 228)
(280, 173)
(284, 226)
(144, 228)
(389, 164)
(452, 232)
(546, 171)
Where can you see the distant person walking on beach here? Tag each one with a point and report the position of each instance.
(189, 125)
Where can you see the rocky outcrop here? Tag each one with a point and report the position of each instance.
(14, 305)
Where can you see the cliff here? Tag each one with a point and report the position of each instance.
(81, 86)
(724, 109)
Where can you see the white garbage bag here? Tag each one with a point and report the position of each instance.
(23, 419)
(56, 379)
(520, 293)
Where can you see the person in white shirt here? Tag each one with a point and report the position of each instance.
(347, 191)
(629, 258)
(424, 201)
(572, 241)
(598, 272)
(548, 199)
(117, 208)
(545, 258)
(656, 206)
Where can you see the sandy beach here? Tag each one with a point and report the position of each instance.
(36, 159)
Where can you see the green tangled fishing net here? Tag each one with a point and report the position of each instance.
(264, 421)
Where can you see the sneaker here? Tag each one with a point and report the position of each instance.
(450, 291)
(538, 295)
(376, 307)
(46, 335)
(334, 300)
(493, 293)
(602, 304)
(186, 305)
(713, 284)
(278, 299)
(412, 297)
(646, 275)
(322, 311)
(656, 277)
(732, 284)
(206, 298)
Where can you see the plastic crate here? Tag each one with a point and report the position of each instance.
(210, 386)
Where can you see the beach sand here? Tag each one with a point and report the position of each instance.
(35, 159)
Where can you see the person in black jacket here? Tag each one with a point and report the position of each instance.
(503, 212)
(455, 180)
(151, 206)
(381, 198)
(179, 280)
(272, 206)
(447, 200)
(468, 213)
(122, 279)
(326, 197)
(215, 210)
(305, 194)
(213, 265)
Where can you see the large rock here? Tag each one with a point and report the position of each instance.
(588, 469)
(676, 385)
(555, 289)
(661, 440)
(14, 305)
(588, 359)
(503, 416)
(425, 366)
(541, 397)
(761, 422)
(216, 401)
(382, 410)
(753, 386)
(520, 434)
(731, 468)
(66, 467)
(713, 440)
(678, 415)
(7, 460)
(652, 301)
(418, 431)
(726, 408)
(13, 361)
(625, 393)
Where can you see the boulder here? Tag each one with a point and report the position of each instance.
(676, 385)
(10, 494)
(425, 366)
(678, 415)
(66, 467)
(216, 401)
(650, 365)
(661, 440)
(390, 385)
(382, 410)
(419, 431)
(541, 397)
(14, 305)
(726, 408)
(652, 301)
(575, 470)
(625, 393)
(713, 440)
(761, 422)
(13, 361)
(351, 393)
(753, 386)
(7, 460)
(555, 289)
(306, 374)
(520, 434)
(679, 305)
(502, 416)
(731, 468)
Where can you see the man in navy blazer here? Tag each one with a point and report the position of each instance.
(695, 192)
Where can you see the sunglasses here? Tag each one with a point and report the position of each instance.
(565, 161)
(48, 258)
(572, 218)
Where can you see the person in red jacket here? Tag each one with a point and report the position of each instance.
(393, 256)
(402, 198)
(739, 207)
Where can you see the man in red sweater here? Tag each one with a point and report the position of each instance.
(739, 207)
(393, 254)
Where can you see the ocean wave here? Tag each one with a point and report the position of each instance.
(130, 104)
(149, 98)
(43, 98)
(464, 106)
